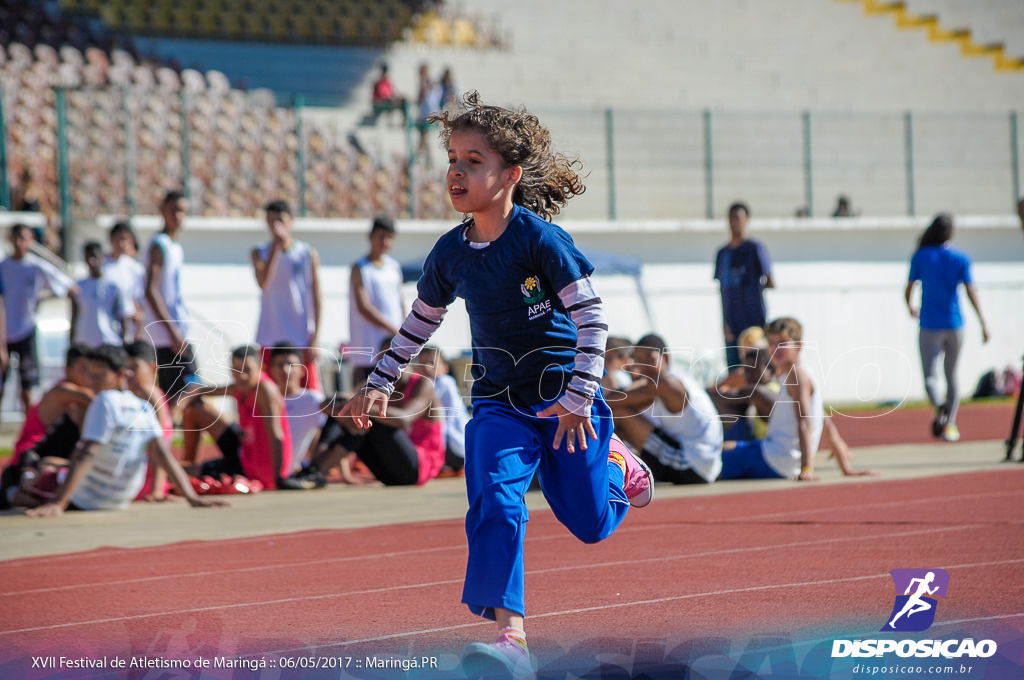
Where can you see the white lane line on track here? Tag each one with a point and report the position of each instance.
(461, 546)
(619, 605)
(454, 581)
(269, 538)
(294, 565)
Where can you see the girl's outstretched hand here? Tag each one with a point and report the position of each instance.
(361, 405)
(573, 427)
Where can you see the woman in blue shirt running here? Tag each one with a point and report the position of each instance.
(539, 331)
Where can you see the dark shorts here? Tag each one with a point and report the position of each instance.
(663, 472)
(60, 439)
(230, 462)
(388, 452)
(174, 371)
(28, 360)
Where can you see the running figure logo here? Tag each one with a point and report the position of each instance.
(914, 610)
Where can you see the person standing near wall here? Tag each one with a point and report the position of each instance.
(24, 276)
(166, 325)
(941, 269)
(288, 273)
(376, 307)
(127, 272)
(744, 269)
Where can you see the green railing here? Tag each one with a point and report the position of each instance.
(638, 164)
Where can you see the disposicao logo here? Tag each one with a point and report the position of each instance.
(917, 593)
(914, 609)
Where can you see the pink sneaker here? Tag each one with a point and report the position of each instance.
(639, 484)
(507, 659)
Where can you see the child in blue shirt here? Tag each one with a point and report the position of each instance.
(539, 332)
(941, 269)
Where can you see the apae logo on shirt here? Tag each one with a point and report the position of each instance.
(533, 295)
(532, 292)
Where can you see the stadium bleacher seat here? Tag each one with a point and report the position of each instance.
(230, 129)
(255, 21)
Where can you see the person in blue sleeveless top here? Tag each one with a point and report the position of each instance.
(539, 331)
(941, 269)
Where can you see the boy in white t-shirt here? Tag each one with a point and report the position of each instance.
(119, 435)
(124, 269)
(23, 277)
(99, 312)
(302, 408)
(669, 418)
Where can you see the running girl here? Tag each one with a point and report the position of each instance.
(539, 333)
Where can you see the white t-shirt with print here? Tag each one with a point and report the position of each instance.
(304, 420)
(123, 425)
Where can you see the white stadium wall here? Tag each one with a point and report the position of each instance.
(843, 279)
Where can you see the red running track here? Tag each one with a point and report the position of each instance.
(804, 560)
(979, 421)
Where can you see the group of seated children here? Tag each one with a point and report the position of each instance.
(75, 450)
(286, 436)
(769, 427)
(421, 436)
(98, 456)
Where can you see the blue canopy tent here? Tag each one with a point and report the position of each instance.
(604, 263)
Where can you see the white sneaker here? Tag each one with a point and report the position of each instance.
(505, 659)
(950, 433)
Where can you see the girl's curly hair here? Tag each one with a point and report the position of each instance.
(549, 178)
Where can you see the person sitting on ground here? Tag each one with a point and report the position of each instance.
(745, 409)
(258, 446)
(50, 431)
(794, 430)
(405, 446)
(618, 352)
(752, 404)
(119, 435)
(69, 399)
(667, 416)
(143, 383)
(303, 409)
(99, 313)
(432, 365)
